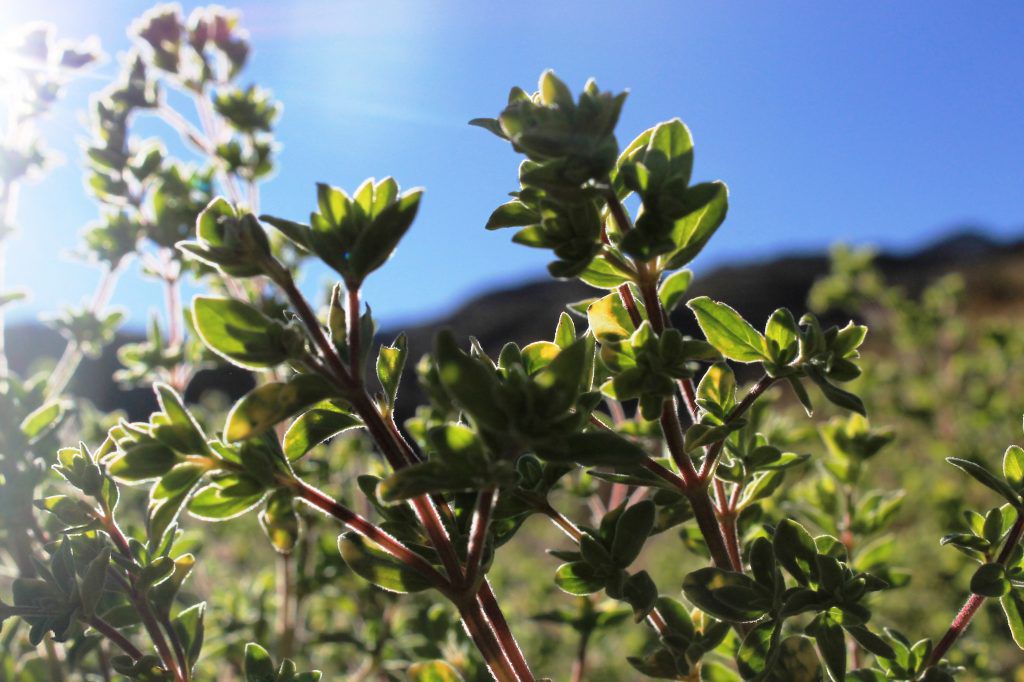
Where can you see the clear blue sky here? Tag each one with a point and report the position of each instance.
(880, 122)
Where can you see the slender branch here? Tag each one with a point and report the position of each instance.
(483, 637)
(689, 398)
(579, 664)
(354, 352)
(485, 501)
(711, 459)
(284, 279)
(69, 360)
(141, 602)
(175, 333)
(399, 453)
(371, 532)
(657, 622)
(626, 294)
(974, 602)
(673, 431)
(563, 523)
(111, 633)
(285, 606)
(188, 132)
(176, 646)
(211, 127)
(486, 598)
(9, 198)
(727, 522)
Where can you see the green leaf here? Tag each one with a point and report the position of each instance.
(70, 511)
(390, 363)
(8, 297)
(189, 626)
(990, 580)
(41, 420)
(592, 448)
(324, 420)
(145, 460)
(267, 405)
(837, 396)
(280, 521)
(782, 336)
(797, 661)
(795, 550)
(298, 233)
(1013, 607)
(471, 383)
(832, 645)
(631, 531)
(578, 578)
(239, 333)
(986, 478)
(727, 331)
(756, 651)
(1013, 466)
(870, 641)
(216, 503)
(90, 587)
(726, 595)
(673, 289)
(259, 667)
(565, 332)
(609, 320)
(378, 567)
(705, 206)
(716, 392)
(512, 214)
(641, 593)
(433, 671)
(376, 244)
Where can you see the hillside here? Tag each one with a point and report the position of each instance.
(992, 270)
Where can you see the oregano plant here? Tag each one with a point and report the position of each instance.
(709, 526)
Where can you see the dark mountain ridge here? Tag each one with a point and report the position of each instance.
(991, 268)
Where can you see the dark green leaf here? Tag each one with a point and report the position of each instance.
(795, 550)
(986, 478)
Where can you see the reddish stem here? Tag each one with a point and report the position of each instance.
(485, 500)
(111, 633)
(354, 350)
(974, 602)
(763, 384)
(371, 532)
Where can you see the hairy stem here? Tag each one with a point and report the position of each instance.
(285, 606)
(69, 360)
(112, 633)
(755, 392)
(141, 603)
(354, 351)
(486, 598)
(483, 637)
(727, 522)
(485, 500)
(579, 664)
(9, 199)
(399, 453)
(371, 532)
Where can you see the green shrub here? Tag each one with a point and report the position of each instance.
(685, 503)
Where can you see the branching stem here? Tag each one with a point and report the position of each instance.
(974, 602)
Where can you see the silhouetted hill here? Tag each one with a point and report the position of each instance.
(993, 270)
